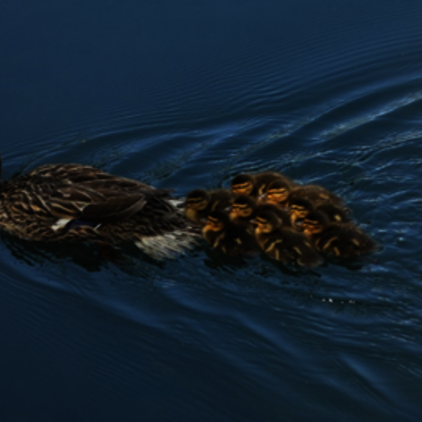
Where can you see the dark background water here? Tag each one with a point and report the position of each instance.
(187, 94)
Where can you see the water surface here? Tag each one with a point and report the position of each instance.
(187, 94)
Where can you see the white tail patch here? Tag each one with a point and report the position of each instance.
(167, 246)
(60, 223)
(176, 202)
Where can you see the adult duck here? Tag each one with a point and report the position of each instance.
(74, 202)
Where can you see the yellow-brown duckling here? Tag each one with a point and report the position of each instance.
(199, 203)
(256, 184)
(282, 243)
(342, 240)
(281, 194)
(232, 239)
(301, 207)
(244, 209)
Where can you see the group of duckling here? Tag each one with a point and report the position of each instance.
(267, 212)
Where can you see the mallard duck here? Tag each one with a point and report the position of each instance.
(256, 184)
(283, 243)
(280, 193)
(301, 207)
(233, 239)
(74, 202)
(244, 209)
(342, 240)
(199, 203)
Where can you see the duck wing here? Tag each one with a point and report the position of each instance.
(89, 176)
(50, 199)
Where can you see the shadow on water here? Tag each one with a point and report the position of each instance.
(90, 257)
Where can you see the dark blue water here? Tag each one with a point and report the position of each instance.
(187, 94)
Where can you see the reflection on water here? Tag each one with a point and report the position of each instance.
(188, 96)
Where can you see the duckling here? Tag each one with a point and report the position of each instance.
(334, 213)
(283, 243)
(301, 207)
(342, 240)
(199, 203)
(74, 202)
(233, 239)
(255, 184)
(242, 211)
(281, 194)
(244, 208)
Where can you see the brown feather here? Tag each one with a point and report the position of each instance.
(64, 202)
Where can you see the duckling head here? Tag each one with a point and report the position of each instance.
(266, 222)
(243, 207)
(315, 222)
(242, 184)
(216, 221)
(299, 209)
(197, 200)
(277, 192)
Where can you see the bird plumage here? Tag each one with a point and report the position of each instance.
(74, 202)
(342, 240)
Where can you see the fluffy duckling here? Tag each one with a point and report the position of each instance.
(342, 240)
(242, 211)
(233, 239)
(256, 184)
(244, 208)
(282, 194)
(301, 207)
(199, 203)
(282, 243)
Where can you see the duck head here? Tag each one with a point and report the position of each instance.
(314, 223)
(243, 207)
(242, 184)
(266, 222)
(277, 192)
